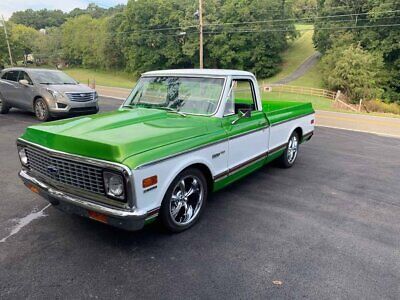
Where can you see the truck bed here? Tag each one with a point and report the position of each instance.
(278, 111)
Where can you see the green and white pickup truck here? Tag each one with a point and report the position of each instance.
(180, 135)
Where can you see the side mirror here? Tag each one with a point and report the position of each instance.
(24, 82)
(243, 114)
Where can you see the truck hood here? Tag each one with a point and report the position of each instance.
(115, 136)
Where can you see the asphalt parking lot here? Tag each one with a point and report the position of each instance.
(327, 228)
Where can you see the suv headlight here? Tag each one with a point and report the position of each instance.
(22, 156)
(96, 96)
(114, 185)
(56, 95)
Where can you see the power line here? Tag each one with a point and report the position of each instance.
(305, 29)
(298, 19)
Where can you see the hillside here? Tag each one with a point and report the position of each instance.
(298, 52)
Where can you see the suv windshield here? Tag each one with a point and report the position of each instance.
(180, 94)
(51, 77)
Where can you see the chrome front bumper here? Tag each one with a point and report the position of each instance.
(125, 219)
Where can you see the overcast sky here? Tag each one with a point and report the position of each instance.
(7, 7)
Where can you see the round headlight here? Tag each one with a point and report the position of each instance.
(114, 184)
(22, 156)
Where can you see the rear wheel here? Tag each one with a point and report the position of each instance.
(184, 200)
(292, 148)
(41, 110)
(4, 108)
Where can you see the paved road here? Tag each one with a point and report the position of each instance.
(326, 228)
(302, 69)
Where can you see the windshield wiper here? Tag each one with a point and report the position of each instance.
(172, 110)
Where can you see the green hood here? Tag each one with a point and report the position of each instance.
(116, 135)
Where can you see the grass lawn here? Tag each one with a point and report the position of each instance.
(106, 78)
(299, 50)
(317, 102)
(311, 79)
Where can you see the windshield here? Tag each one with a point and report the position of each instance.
(51, 77)
(180, 94)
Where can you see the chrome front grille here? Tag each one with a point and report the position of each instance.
(74, 174)
(81, 97)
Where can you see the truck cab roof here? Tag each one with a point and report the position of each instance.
(199, 72)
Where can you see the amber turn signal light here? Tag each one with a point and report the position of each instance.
(149, 181)
(97, 216)
(33, 189)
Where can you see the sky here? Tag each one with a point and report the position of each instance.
(7, 7)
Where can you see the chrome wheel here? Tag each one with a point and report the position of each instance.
(40, 110)
(292, 150)
(186, 200)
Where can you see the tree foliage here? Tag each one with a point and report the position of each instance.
(354, 71)
(366, 22)
(45, 18)
(224, 47)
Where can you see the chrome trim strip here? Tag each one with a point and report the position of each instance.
(82, 202)
(200, 147)
(127, 173)
(291, 119)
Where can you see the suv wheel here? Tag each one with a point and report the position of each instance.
(41, 110)
(4, 108)
(184, 200)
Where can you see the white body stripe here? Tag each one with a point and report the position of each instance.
(215, 157)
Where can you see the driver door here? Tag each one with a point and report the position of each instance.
(246, 127)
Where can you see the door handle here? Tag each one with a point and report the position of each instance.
(263, 123)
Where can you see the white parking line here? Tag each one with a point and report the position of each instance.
(21, 223)
(363, 131)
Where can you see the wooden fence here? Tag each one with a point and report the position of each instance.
(283, 88)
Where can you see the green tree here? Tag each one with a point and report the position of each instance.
(354, 71)
(369, 23)
(48, 47)
(242, 45)
(22, 40)
(40, 18)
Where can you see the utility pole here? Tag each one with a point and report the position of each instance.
(201, 32)
(8, 43)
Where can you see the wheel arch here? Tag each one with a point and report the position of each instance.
(299, 132)
(206, 172)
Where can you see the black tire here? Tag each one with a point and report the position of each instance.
(4, 108)
(172, 198)
(287, 159)
(41, 110)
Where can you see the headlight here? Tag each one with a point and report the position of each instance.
(114, 184)
(56, 95)
(96, 96)
(22, 156)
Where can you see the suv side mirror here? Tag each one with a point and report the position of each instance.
(24, 82)
(242, 114)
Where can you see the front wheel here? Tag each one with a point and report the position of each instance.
(4, 108)
(41, 110)
(288, 157)
(184, 200)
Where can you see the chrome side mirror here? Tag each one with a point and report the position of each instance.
(242, 114)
